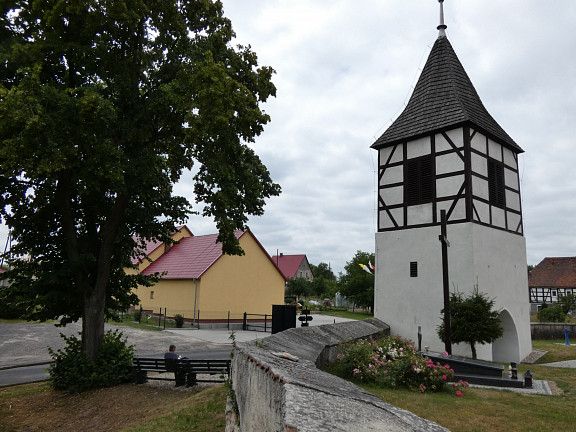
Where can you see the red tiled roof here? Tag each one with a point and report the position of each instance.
(151, 245)
(190, 258)
(288, 264)
(554, 273)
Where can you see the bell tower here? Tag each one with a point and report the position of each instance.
(445, 152)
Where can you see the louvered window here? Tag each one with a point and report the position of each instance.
(419, 184)
(496, 183)
(413, 268)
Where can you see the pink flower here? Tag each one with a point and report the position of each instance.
(356, 371)
(444, 377)
(459, 393)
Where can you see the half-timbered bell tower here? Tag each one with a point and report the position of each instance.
(446, 152)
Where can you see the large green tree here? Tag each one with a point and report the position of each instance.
(357, 284)
(104, 104)
(324, 282)
(298, 287)
(472, 320)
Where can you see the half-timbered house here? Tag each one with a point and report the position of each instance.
(551, 279)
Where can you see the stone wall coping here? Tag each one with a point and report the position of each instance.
(306, 398)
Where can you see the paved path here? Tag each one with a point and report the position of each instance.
(562, 364)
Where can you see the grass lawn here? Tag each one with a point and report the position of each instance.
(152, 325)
(348, 314)
(145, 408)
(129, 408)
(128, 321)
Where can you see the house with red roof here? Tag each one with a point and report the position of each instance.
(552, 278)
(199, 281)
(294, 266)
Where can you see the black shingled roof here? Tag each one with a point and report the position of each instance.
(444, 96)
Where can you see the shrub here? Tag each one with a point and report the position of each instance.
(179, 320)
(551, 314)
(75, 372)
(393, 362)
(11, 308)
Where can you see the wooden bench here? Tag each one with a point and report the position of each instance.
(185, 371)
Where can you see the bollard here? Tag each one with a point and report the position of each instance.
(528, 379)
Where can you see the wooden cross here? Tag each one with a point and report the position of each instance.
(443, 237)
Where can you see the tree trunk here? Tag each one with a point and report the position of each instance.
(95, 300)
(473, 347)
(93, 322)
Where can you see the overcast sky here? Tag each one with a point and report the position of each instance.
(345, 70)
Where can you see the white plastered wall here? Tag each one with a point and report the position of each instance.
(493, 259)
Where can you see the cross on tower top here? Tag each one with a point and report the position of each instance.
(441, 27)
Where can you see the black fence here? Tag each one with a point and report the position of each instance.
(163, 318)
(257, 322)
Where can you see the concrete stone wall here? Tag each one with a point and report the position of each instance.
(552, 330)
(278, 385)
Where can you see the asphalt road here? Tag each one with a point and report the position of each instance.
(27, 344)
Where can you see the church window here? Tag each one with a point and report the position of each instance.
(419, 183)
(496, 189)
(414, 269)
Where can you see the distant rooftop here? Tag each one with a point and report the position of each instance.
(559, 272)
(288, 264)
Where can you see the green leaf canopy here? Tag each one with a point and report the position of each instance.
(104, 105)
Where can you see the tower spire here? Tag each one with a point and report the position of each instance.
(442, 27)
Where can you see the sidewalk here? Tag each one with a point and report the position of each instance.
(223, 335)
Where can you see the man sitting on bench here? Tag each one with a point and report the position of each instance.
(171, 354)
(170, 359)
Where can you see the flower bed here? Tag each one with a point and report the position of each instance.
(394, 362)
